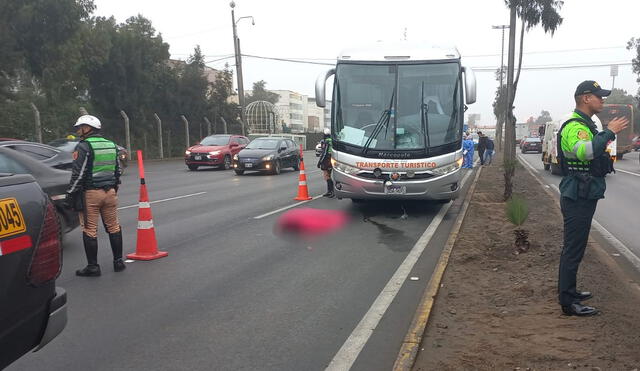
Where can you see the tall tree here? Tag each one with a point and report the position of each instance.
(620, 96)
(193, 88)
(531, 14)
(221, 107)
(260, 92)
(544, 117)
(631, 45)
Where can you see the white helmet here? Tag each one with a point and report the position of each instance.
(327, 131)
(88, 120)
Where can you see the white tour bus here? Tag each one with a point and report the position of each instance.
(397, 120)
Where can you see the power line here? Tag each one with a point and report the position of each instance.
(556, 67)
(288, 60)
(550, 51)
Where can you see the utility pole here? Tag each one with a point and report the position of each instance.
(504, 109)
(238, 54)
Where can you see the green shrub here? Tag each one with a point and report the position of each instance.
(517, 210)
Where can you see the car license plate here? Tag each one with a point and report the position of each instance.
(197, 158)
(395, 190)
(11, 219)
(248, 164)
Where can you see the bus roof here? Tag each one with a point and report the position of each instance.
(402, 51)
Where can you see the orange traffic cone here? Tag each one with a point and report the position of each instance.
(146, 246)
(303, 191)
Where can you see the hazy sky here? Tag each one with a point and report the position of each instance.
(593, 32)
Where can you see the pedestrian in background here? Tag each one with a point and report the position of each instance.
(482, 146)
(584, 163)
(93, 189)
(467, 152)
(488, 154)
(324, 162)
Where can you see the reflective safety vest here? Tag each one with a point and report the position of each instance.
(574, 140)
(105, 157)
(329, 143)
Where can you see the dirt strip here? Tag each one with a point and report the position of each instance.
(497, 310)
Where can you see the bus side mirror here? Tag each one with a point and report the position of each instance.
(321, 82)
(469, 85)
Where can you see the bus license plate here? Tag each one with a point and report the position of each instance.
(248, 164)
(395, 190)
(11, 219)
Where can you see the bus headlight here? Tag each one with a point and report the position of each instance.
(344, 168)
(443, 170)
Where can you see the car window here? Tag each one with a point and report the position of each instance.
(9, 165)
(235, 141)
(245, 141)
(37, 152)
(216, 140)
(532, 140)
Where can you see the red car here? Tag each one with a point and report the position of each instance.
(214, 150)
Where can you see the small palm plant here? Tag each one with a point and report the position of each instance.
(517, 213)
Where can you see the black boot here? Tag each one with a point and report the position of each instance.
(329, 193)
(116, 248)
(91, 250)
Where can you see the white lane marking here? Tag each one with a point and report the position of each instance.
(627, 172)
(285, 208)
(348, 353)
(528, 164)
(624, 250)
(164, 200)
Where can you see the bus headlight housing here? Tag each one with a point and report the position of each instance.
(344, 168)
(444, 170)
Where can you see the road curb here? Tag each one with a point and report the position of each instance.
(412, 340)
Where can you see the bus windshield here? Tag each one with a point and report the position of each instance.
(399, 106)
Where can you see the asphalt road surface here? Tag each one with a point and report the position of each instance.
(618, 211)
(232, 295)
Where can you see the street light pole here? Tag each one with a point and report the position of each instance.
(499, 132)
(236, 46)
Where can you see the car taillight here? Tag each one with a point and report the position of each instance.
(46, 263)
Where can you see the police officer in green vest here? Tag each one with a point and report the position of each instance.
(584, 162)
(93, 192)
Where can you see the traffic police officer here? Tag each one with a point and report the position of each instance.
(324, 163)
(93, 192)
(584, 163)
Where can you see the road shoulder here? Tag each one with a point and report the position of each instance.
(497, 309)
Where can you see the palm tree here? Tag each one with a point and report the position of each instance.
(531, 13)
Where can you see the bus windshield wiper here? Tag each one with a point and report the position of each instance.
(382, 121)
(424, 121)
(454, 110)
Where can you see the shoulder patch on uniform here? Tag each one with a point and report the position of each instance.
(75, 155)
(583, 135)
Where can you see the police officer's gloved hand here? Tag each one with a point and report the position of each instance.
(68, 201)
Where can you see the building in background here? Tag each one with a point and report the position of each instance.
(291, 107)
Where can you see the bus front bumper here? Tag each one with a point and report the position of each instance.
(446, 187)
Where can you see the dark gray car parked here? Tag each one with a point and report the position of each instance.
(53, 182)
(269, 154)
(33, 310)
(44, 153)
